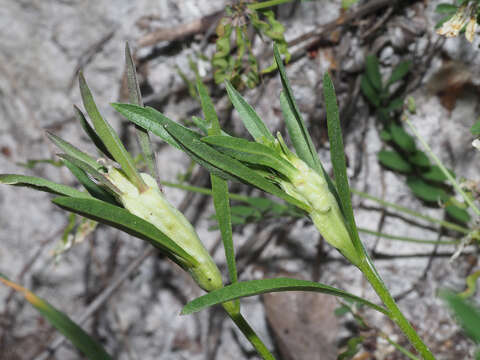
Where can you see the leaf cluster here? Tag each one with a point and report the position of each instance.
(234, 59)
(426, 181)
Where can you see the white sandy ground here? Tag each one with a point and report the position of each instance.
(41, 42)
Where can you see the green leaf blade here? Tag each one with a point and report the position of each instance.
(74, 152)
(425, 191)
(372, 70)
(122, 219)
(402, 139)
(255, 126)
(98, 175)
(251, 152)
(147, 119)
(77, 336)
(475, 129)
(220, 193)
(394, 161)
(257, 287)
(109, 137)
(399, 72)
(89, 185)
(208, 109)
(42, 185)
(91, 132)
(297, 130)
(467, 314)
(369, 91)
(337, 155)
(221, 203)
(135, 97)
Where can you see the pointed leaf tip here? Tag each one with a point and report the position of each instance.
(109, 137)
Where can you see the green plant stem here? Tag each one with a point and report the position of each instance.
(445, 224)
(444, 170)
(396, 315)
(249, 333)
(407, 239)
(266, 4)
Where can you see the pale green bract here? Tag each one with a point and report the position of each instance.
(151, 206)
(310, 187)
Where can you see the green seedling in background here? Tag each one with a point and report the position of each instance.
(237, 63)
(426, 181)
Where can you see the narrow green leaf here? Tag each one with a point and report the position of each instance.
(419, 158)
(395, 104)
(97, 175)
(426, 191)
(394, 161)
(147, 119)
(372, 69)
(446, 9)
(337, 156)
(255, 126)
(135, 97)
(74, 152)
(252, 152)
(475, 129)
(110, 137)
(124, 220)
(402, 139)
(256, 287)
(134, 94)
(385, 135)
(399, 72)
(220, 191)
(457, 213)
(41, 184)
(211, 117)
(369, 92)
(91, 132)
(92, 188)
(200, 123)
(435, 174)
(224, 217)
(466, 313)
(301, 140)
(78, 337)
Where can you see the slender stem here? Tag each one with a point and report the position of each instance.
(249, 333)
(265, 4)
(407, 239)
(444, 170)
(396, 315)
(445, 224)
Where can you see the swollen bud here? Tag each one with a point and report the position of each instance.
(151, 206)
(311, 188)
